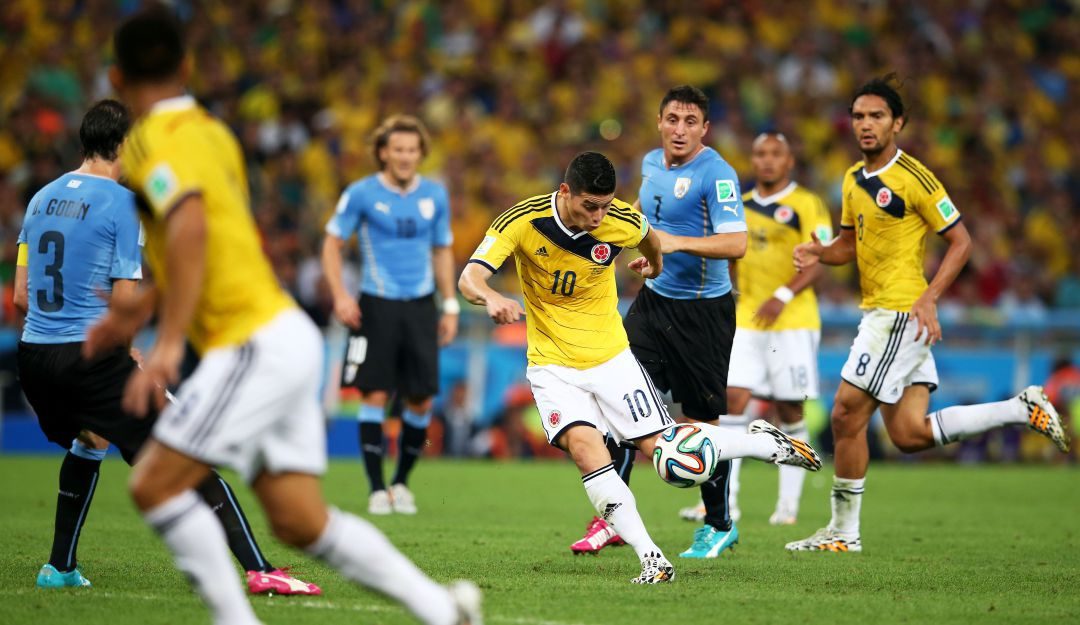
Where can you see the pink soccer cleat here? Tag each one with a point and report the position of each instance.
(279, 582)
(597, 536)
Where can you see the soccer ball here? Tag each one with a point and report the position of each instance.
(684, 456)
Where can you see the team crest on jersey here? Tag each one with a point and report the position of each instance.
(783, 214)
(682, 185)
(601, 252)
(884, 197)
(382, 207)
(554, 418)
(427, 208)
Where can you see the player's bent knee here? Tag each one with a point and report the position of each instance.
(910, 442)
(297, 529)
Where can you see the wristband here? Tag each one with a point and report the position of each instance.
(451, 306)
(784, 294)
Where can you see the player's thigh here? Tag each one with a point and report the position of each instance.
(372, 352)
(642, 332)
(294, 505)
(162, 473)
(630, 405)
(792, 364)
(852, 410)
(101, 390)
(748, 369)
(43, 372)
(561, 401)
(697, 345)
(884, 355)
(419, 361)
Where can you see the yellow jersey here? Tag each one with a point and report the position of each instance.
(891, 211)
(568, 278)
(179, 150)
(775, 225)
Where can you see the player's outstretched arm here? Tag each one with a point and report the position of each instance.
(651, 262)
(473, 284)
(925, 308)
(839, 251)
(345, 307)
(730, 245)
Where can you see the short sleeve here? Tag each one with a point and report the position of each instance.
(724, 199)
(847, 212)
(498, 244)
(127, 252)
(165, 181)
(346, 218)
(817, 221)
(937, 208)
(631, 226)
(441, 235)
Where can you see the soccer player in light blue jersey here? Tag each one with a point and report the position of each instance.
(402, 223)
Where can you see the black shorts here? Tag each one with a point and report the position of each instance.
(395, 349)
(70, 394)
(685, 345)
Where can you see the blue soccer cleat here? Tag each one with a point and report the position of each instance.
(710, 542)
(49, 577)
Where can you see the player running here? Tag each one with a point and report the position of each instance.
(585, 379)
(80, 239)
(252, 402)
(890, 203)
(403, 225)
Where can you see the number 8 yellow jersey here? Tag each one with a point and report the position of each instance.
(568, 278)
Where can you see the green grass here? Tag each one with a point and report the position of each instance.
(943, 544)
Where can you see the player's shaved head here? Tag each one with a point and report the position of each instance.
(149, 45)
(592, 173)
(103, 129)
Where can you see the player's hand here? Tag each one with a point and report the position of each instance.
(348, 312)
(926, 322)
(806, 255)
(642, 266)
(119, 325)
(448, 326)
(503, 310)
(146, 386)
(769, 311)
(136, 355)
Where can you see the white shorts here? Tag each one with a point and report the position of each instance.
(255, 407)
(616, 397)
(885, 357)
(779, 364)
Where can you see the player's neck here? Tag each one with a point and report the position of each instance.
(101, 168)
(672, 161)
(874, 162)
(144, 99)
(395, 184)
(563, 210)
(769, 189)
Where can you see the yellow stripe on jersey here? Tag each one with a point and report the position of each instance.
(179, 150)
(776, 224)
(567, 278)
(891, 211)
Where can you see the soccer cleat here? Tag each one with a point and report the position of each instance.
(655, 569)
(1043, 417)
(695, 513)
(791, 450)
(710, 542)
(785, 514)
(402, 500)
(467, 598)
(598, 534)
(379, 503)
(826, 539)
(50, 577)
(279, 582)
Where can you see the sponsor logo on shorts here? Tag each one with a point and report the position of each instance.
(601, 252)
(554, 418)
(884, 197)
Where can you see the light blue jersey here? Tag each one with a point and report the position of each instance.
(81, 233)
(695, 199)
(396, 232)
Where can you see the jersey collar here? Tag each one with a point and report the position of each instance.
(663, 159)
(558, 220)
(413, 186)
(178, 103)
(871, 174)
(775, 197)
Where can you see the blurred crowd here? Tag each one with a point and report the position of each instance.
(511, 90)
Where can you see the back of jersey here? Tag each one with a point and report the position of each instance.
(81, 232)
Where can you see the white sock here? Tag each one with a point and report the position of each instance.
(736, 424)
(791, 478)
(959, 422)
(194, 535)
(731, 444)
(361, 553)
(846, 505)
(616, 504)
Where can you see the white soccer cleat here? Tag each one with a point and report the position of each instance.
(379, 503)
(402, 500)
(1043, 417)
(655, 569)
(826, 539)
(785, 514)
(467, 598)
(695, 513)
(790, 450)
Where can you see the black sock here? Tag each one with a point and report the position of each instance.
(410, 446)
(371, 448)
(622, 456)
(78, 479)
(714, 494)
(222, 500)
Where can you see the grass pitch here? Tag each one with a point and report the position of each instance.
(943, 544)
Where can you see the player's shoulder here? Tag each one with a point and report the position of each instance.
(805, 196)
(522, 212)
(431, 186)
(854, 168)
(653, 159)
(625, 210)
(911, 168)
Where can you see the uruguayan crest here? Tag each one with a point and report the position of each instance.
(682, 185)
(427, 207)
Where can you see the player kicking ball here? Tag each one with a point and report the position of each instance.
(585, 379)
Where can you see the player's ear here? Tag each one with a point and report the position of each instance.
(116, 79)
(186, 68)
(705, 127)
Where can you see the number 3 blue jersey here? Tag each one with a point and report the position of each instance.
(396, 232)
(696, 199)
(81, 233)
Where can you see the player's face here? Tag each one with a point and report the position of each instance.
(585, 210)
(873, 123)
(771, 159)
(682, 127)
(402, 155)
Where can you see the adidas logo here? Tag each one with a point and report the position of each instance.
(541, 251)
(609, 510)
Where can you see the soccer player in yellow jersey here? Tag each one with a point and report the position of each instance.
(890, 203)
(585, 380)
(252, 403)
